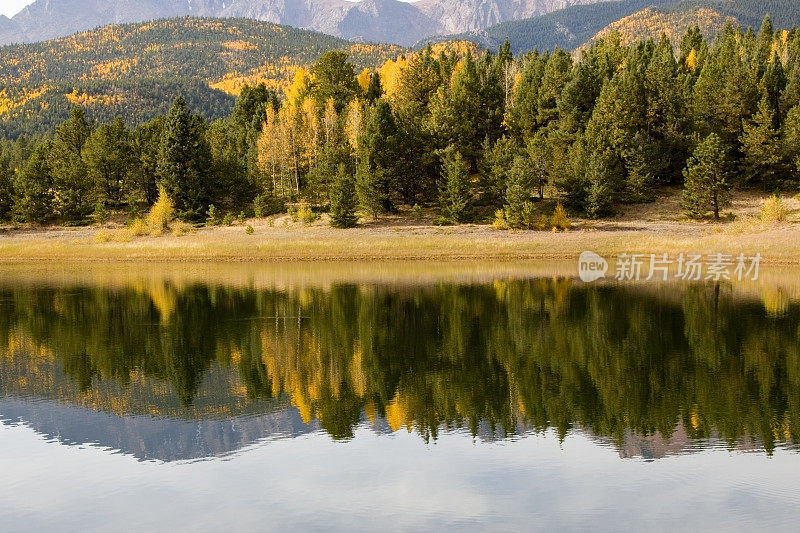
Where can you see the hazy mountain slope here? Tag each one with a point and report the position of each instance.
(377, 20)
(136, 70)
(709, 16)
(651, 23)
(567, 28)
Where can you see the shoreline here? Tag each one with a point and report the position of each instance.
(401, 240)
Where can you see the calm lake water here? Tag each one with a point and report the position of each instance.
(395, 398)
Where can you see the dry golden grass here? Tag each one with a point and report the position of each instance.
(654, 228)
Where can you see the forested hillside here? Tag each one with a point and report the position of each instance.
(492, 137)
(137, 70)
(573, 27)
(566, 28)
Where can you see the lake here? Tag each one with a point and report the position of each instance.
(395, 397)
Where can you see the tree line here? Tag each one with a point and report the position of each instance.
(476, 137)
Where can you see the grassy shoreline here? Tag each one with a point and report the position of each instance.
(778, 244)
(648, 229)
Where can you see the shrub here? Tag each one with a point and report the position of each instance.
(560, 219)
(138, 228)
(180, 228)
(101, 213)
(103, 236)
(212, 216)
(774, 209)
(241, 218)
(500, 221)
(416, 212)
(161, 214)
(265, 205)
(227, 220)
(249, 230)
(305, 214)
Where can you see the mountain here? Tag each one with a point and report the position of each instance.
(389, 21)
(566, 28)
(709, 15)
(575, 26)
(137, 70)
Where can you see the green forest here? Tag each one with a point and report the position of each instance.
(478, 136)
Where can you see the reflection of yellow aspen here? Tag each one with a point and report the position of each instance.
(369, 410)
(303, 406)
(357, 377)
(397, 414)
(695, 417)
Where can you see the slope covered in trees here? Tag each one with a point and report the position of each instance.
(137, 70)
(637, 19)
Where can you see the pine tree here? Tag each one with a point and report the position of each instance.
(75, 192)
(763, 153)
(343, 199)
(184, 162)
(111, 161)
(604, 174)
(540, 157)
(518, 208)
(790, 142)
(6, 185)
(380, 160)
(455, 196)
(334, 77)
(707, 186)
(33, 200)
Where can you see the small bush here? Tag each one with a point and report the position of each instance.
(161, 214)
(500, 221)
(416, 212)
(241, 219)
(103, 236)
(543, 223)
(305, 214)
(249, 230)
(101, 213)
(212, 216)
(774, 209)
(179, 229)
(138, 228)
(560, 220)
(265, 205)
(227, 220)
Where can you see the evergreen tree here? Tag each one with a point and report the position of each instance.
(790, 142)
(604, 174)
(497, 165)
(147, 145)
(380, 160)
(184, 162)
(455, 197)
(763, 152)
(75, 195)
(343, 199)
(518, 208)
(33, 200)
(540, 157)
(707, 184)
(334, 77)
(111, 161)
(6, 185)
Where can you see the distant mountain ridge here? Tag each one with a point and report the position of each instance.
(389, 21)
(575, 26)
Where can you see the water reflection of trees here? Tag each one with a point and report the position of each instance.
(538, 353)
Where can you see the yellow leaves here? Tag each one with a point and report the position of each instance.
(691, 60)
(239, 46)
(300, 86)
(650, 23)
(87, 100)
(113, 69)
(391, 75)
(10, 102)
(364, 79)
